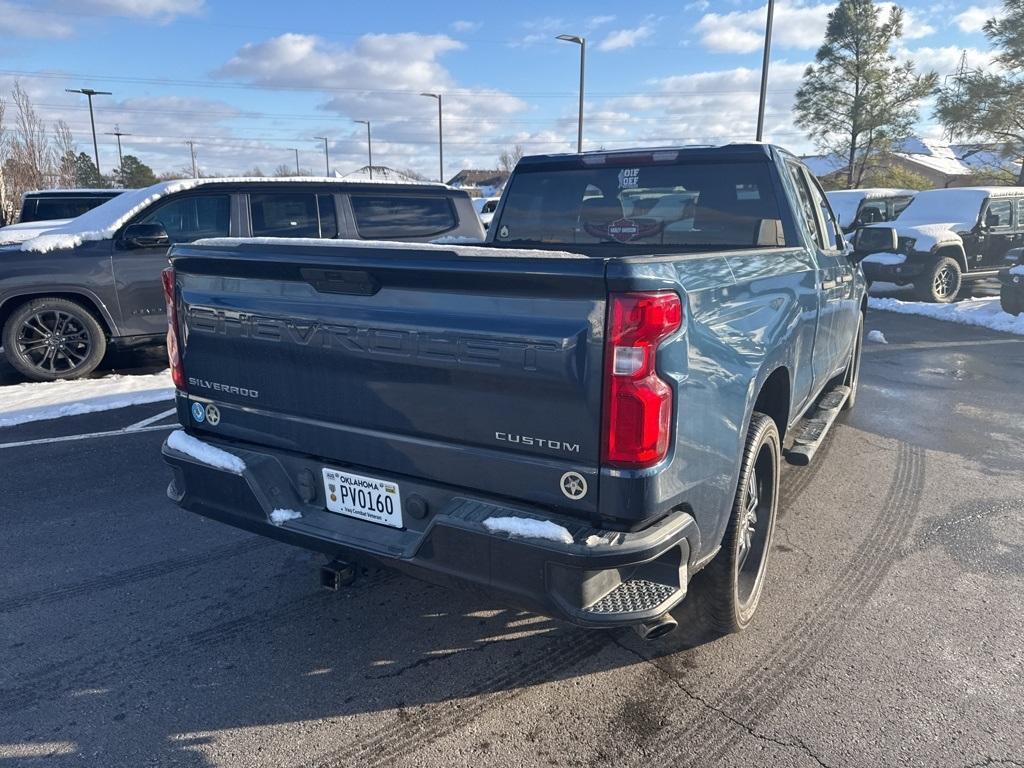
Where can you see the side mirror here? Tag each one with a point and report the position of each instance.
(991, 219)
(145, 236)
(875, 240)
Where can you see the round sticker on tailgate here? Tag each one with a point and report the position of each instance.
(574, 485)
(198, 412)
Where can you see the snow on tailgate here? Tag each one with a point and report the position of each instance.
(38, 401)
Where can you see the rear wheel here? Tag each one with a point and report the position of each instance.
(728, 590)
(50, 339)
(1011, 304)
(940, 282)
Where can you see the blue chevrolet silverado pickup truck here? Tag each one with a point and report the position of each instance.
(585, 415)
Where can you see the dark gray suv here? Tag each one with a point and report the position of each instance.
(67, 294)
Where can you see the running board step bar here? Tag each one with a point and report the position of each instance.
(810, 433)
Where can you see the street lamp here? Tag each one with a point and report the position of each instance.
(440, 136)
(327, 157)
(89, 92)
(582, 43)
(764, 69)
(369, 144)
(293, 149)
(119, 133)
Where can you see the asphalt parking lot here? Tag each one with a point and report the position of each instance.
(134, 634)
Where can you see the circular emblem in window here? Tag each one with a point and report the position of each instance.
(574, 485)
(213, 415)
(198, 412)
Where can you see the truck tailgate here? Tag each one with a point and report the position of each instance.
(481, 372)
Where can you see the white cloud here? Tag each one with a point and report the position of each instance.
(795, 26)
(18, 20)
(599, 21)
(466, 26)
(624, 38)
(974, 18)
(146, 9)
(914, 28)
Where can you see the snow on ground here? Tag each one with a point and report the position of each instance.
(205, 453)
(877, 336)
(985, 313)
(279, 516)
(528, 528)
(38, 401)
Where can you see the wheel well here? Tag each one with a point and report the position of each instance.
(11, 305)
(954, 253)
(774, 398)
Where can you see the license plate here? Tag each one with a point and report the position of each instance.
(364, 497)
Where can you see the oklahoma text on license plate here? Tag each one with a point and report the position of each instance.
(364, 497)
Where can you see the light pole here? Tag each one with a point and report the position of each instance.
(327, 157)
(369, 144)
(582, 43)
(192, 150)
(119, 133)
(293, 149)
(440, 136)
(764, 69)
(89, 92)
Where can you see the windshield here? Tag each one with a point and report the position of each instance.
(684, 204)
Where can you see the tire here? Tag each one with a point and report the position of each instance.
(728, 590)
(1010, 304)
(852, 375)
(50, 339)
(940, 282)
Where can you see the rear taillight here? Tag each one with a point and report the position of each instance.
(173, 345)
(638, 405)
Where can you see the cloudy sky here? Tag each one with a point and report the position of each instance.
(248, 82)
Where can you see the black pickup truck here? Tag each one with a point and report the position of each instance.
(580, 416)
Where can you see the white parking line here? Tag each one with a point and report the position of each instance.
(87, 436)
(152, 419)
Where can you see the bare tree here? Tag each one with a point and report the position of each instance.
(30, 160)
(64, 153)
(507, 159)
(6, 212)
(283, 170)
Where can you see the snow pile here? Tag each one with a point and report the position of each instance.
(528, 528)
(38, 401)
(877, 336)
(279, 516)
(458, 250)
(205, 453)
(985, 313)
(886, 259)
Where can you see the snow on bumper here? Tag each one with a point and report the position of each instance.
(545, 561)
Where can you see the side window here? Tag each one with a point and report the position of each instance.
(191, 217)
(899, 204)
(821, 203)
(999, 214)
(806, 205)
(284, 214)
(1020, 211)
(873, 211)
(328, 216)
(381, 216)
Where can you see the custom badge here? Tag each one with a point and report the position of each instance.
(212, 415)
(198, 413)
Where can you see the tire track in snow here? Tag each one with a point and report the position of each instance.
(709, 737)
